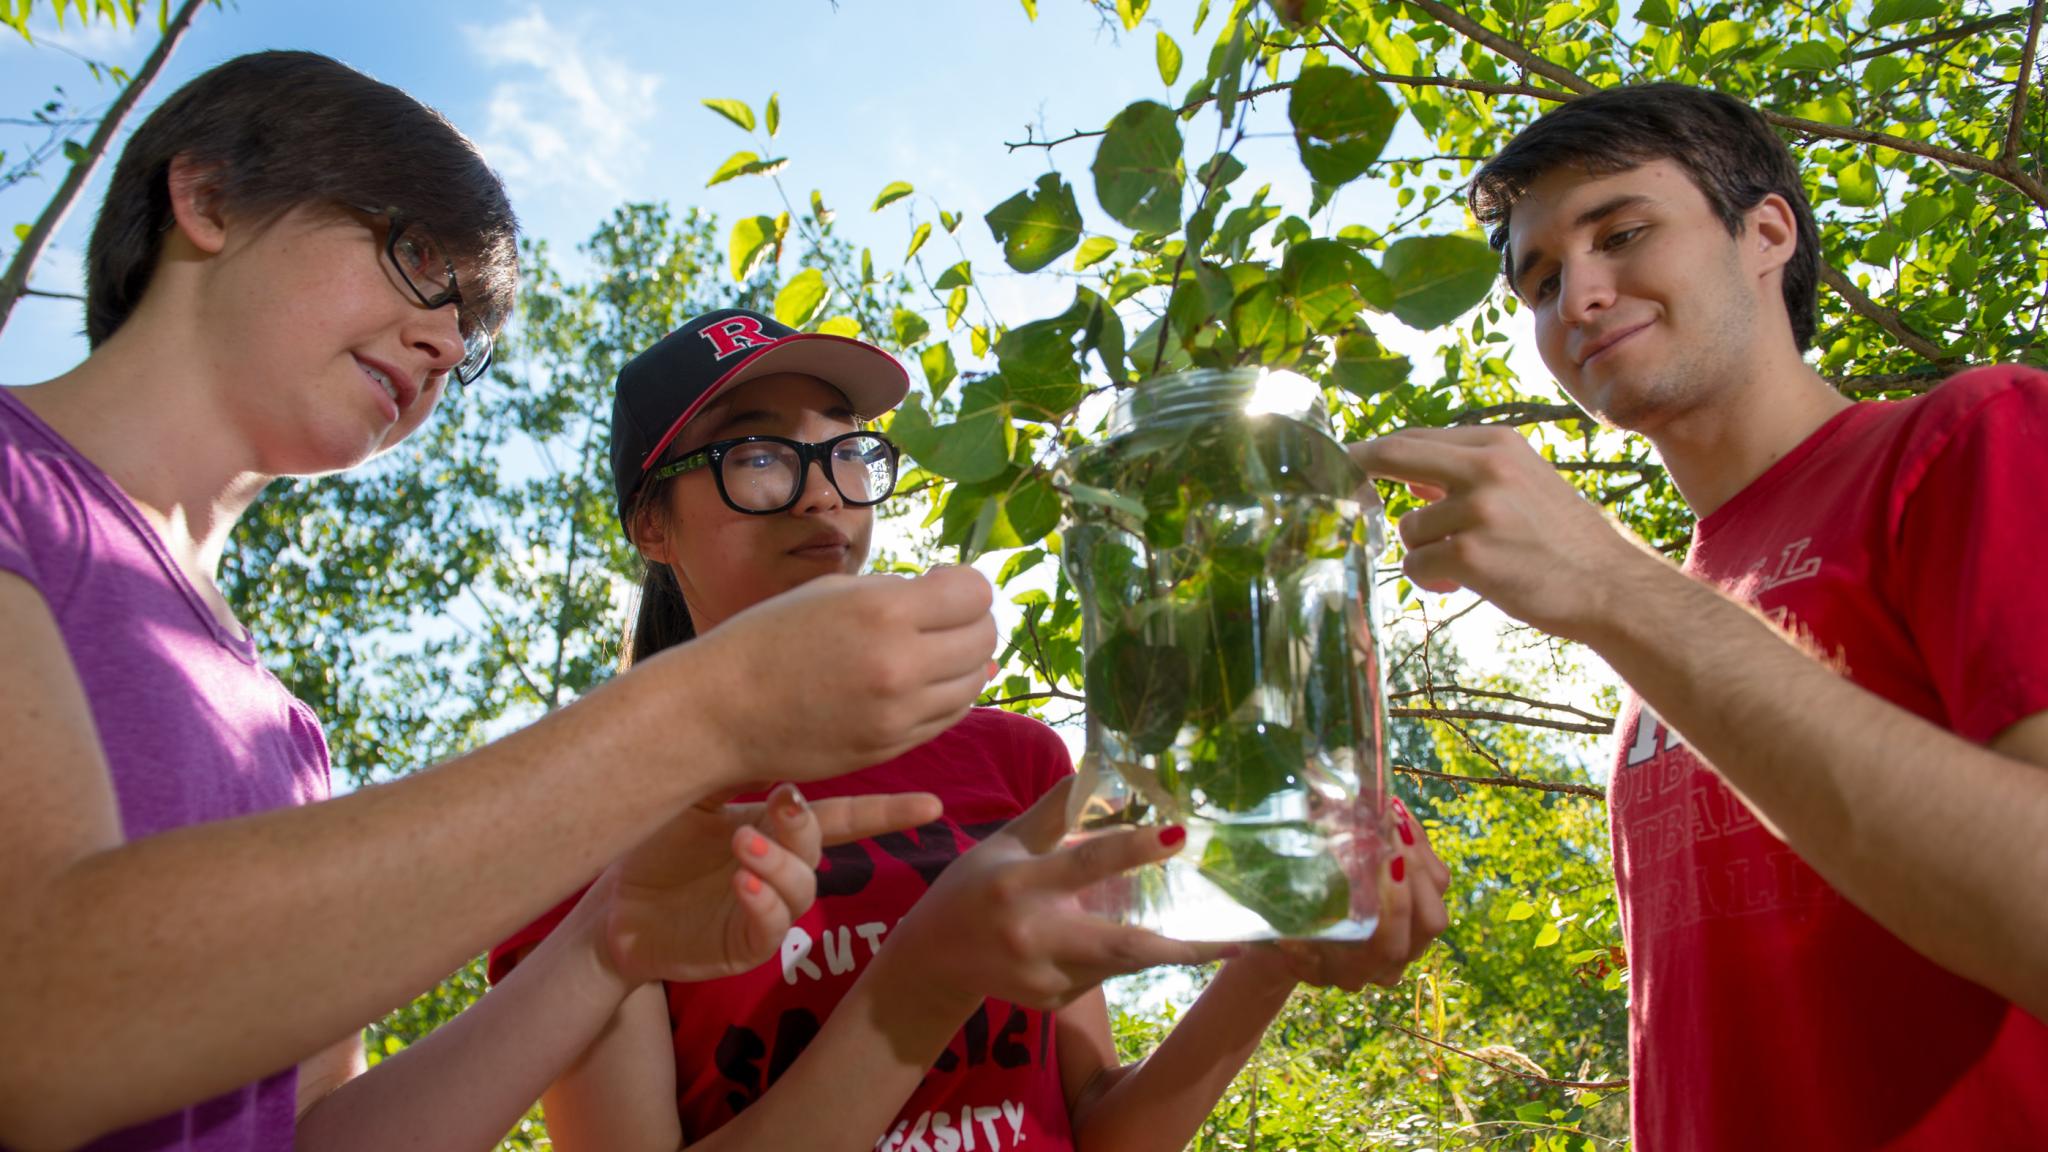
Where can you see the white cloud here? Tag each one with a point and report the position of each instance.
(567, 114)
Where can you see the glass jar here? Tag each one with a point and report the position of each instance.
(1224, 565)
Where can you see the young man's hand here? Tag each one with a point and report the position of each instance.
(1499, 520)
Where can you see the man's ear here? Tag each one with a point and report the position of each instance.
(195, 205)
(1771, 234)
(649, 532)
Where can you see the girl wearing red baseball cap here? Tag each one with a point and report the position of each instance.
(942, 993)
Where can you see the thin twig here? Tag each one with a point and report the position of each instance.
(1084, 133)
(1518, 412)
(1503, 782)
(1496, 694)
(2019, 95)
(1050, 694)
(1581, 1085)
(1883, 317)
(1955, 33)
(1593, 728)
(53, 295)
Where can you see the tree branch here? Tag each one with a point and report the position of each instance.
(53, 295)
(1516, 413)
(1496, 694)
(1955, 33)
(1503, 782)
(1593, 728)
(2019, 95)
(1530, 61)
(1083, 133)
(1050, 694)
(15, 280)
(1878, 314)
(1582, 1085)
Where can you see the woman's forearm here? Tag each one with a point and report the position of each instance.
(466, 1084)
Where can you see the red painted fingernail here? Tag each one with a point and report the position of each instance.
(753, 883)
(1172, 835)
(1400, 807)
(1407, 833)
(1398, 869)
(993, 668)
(758, 846)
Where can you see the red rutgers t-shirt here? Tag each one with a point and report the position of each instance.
(997, 1086)
(1904, 543)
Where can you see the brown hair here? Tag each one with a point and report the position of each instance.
(280, 129)
(1724, 145)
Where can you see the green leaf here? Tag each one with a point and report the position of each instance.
(1037, 227)
(1168, 55)
(910, 327)
(733, 110)
(1329, 280)
(74, 152)
(1341, 122)
(845, 326)
(1296, 895)
(801, 298)
(1138, 689)
(1655, 13)
(1809, 56)
(1437, 279)
(1886, 13)
(1138, 169)
(21, 231)
(894, 191)
(1921, 214)
(1521, 910)
(950, 221)
(917, 239)
(1550, 935)
(1094, 250)
(1033, 509)
(1723, 36)
(1364, 368)
(956, 307)
(973, 448)
(1856, 184)
(774, 113)
(1031, 9)
(1132, 11)
(939, 369)
(745, 164)
(1089, 494)
(1884, 74)
(958, 276)
(753, 238)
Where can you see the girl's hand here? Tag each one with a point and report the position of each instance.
(1412, 916)
(713, 892)
(1004, 920)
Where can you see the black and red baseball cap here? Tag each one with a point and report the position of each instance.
(662, 389)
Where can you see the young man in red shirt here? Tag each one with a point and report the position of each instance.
(1831, 780)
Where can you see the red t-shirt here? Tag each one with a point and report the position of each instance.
(997, 1086)
(1904, 543)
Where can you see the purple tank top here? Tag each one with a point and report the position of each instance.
(192, 725)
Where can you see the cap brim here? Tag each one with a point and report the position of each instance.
(871, 379)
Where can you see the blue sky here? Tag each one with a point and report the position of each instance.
(583, 106)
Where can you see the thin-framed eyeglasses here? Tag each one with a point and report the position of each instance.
(430, 275)
(763, 475)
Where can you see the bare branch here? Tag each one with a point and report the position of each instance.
(1581, 1085)
(1530, 61)
(1503, 782)
(1594, 728)
(1496, 694)
(1955, 33)
(1083, 133)
(53, 295)
(1606, 466)
(1051, 694)
(2019, 94)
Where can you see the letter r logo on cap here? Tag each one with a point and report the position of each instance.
(736, 335)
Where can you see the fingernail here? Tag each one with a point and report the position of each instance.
(1407, 833)
(993, 668)
(794, 805)
(1400, 807)
(1172, 835)
(758, 846)
(753, 883)
(1398, 869)
(1230, 951)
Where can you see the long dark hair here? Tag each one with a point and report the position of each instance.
(661, 619)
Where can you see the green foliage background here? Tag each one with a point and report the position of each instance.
(475, 579)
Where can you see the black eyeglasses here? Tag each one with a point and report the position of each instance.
(431, 277)
(762, 475)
